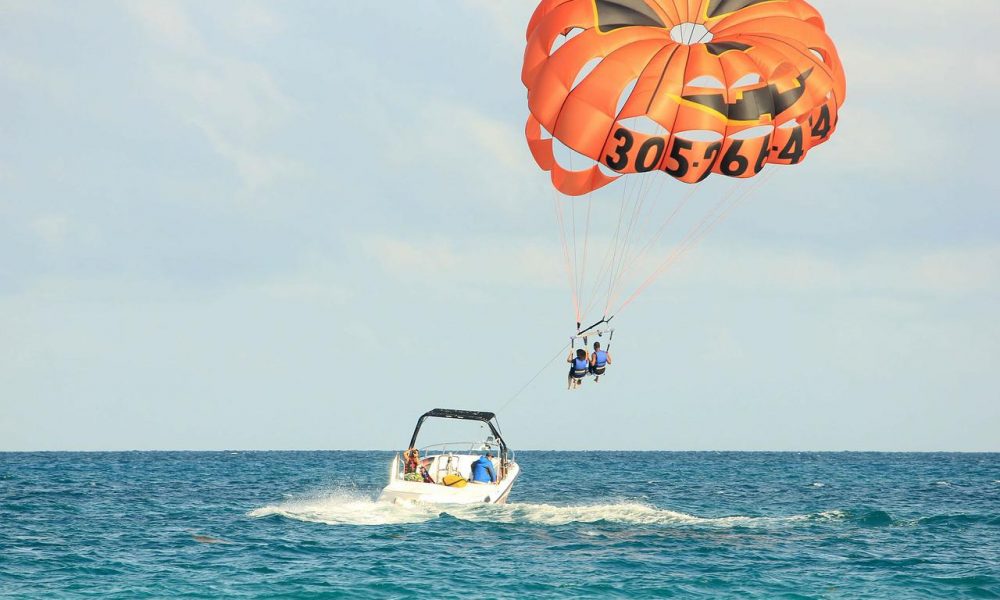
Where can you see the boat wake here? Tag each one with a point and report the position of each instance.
(342, 508)
(351, 509)
(634, 513)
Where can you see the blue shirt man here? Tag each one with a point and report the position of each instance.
(482, 470)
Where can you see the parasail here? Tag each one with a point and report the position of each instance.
(638, 89)
(688, 88)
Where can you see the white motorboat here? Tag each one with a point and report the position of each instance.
(444, 474)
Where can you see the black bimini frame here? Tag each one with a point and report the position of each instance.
(466, 415)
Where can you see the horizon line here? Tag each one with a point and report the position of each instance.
(231, 450)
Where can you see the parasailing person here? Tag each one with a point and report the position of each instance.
(579, 367)
(599, 361)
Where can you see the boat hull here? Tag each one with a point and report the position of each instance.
(434, 493)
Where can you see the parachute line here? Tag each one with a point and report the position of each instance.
(566, 257)
(723, 209)
(643, 190)
(627, 260)
(576, 261)
(586, 244)
(659, 232)
(532, 380)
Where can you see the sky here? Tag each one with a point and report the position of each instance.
(300, 225)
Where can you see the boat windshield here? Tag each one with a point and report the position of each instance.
(488, 445)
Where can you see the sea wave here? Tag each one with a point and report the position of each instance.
(351, 509)
(872, 518)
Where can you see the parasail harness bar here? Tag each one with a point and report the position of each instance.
(593, 330)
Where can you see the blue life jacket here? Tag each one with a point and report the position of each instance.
(601, 358)
(482, 470)
(580, 367)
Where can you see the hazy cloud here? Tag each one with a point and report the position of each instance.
(945, 272)
(235, 103)
(167, 21)
(33, 78)
(866, 277)
(483, 262)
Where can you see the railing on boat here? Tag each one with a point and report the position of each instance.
(445, 448)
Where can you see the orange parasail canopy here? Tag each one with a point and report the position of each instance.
(686, 87)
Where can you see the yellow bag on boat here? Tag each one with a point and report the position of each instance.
(454, 480)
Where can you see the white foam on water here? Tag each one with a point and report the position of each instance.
(342, 508)
(633, 513)
(351, 509)
(831, 515)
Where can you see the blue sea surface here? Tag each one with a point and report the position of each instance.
(579, 525)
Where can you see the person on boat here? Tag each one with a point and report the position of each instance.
(413, 468)
(579, 367)
(412, 458)
(483, 470)
(599, 361)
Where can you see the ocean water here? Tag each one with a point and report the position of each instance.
(579, 525)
